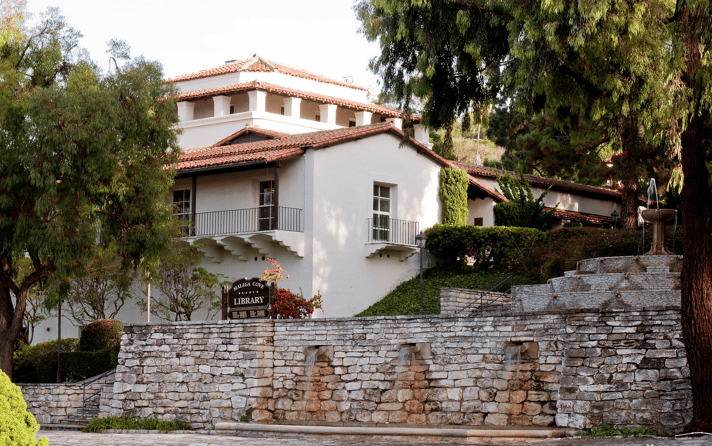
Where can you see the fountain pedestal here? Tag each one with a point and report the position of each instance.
(658, 217)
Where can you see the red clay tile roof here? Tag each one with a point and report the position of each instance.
(581, 217)
(559, 185)
(259, 64)
(276, 89)
(273, 134)
(294, 145)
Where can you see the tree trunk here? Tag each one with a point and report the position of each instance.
(696, 277)
(7, 347)
(9, 329)
(629, 204)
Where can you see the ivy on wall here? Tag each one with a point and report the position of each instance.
(453, 193)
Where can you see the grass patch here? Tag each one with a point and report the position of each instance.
(605, 430)
(405, 298)
(114, 422)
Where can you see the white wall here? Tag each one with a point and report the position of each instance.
(284, 80)
(208, 131)
(344, 176)
(482, 207)
(568, 201)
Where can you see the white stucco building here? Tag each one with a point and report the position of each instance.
(282, 163)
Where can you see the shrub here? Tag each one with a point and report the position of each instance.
(522, 210)
(114, 422)
(80, 365)
(38, 363)
(100, 334)
(453, 194)
(17, 425)
(534, 254)
(287, 305)
(488, 247)
(605, 430)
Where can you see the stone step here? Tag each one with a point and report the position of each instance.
(632, 264)
(616, 282)
(62, 427)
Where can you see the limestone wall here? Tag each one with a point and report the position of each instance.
(52, 403)
(579, 369)
(454, 300)
(201, 372)
(625, 369)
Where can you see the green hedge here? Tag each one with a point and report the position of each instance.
(101, 334)
(77, 366)
(38, 363)
(534, 254)
(491, 247)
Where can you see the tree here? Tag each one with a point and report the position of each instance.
(186, 287)
(102, 291)
(85, 160)
(522, 209)
(453, 194)
(641, 69)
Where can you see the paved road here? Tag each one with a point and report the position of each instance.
(65, 438)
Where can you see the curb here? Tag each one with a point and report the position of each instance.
(229, 428)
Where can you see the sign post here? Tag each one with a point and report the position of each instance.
(246, 299)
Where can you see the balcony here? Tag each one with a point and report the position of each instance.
(247, 233)
(389, 236)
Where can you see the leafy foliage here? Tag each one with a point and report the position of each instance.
(115, 422)
(536, 255)
(85, 159)
(405, 298)
(185, 287)
(287, 305)
(101, 290)
(453, 194)
(522, 210)
(17, 425)
(38, 363)
(80, 365)
(104, 333)
(486, 248)
(606, 430)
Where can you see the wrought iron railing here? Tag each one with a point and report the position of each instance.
(241, 221)
(390, 230)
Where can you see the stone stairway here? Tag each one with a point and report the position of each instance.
(606, 283)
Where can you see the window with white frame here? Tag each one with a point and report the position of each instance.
(181, 204)
(266, 207)
(381, 212)
(181, 208)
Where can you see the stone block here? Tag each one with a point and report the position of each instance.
(530, 408)
(496, 419)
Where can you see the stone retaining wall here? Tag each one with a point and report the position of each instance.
(201, 372)
(454, 300)
(54, 403)
(625, 369)
(569, 370)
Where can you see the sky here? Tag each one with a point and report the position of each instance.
(320, 36)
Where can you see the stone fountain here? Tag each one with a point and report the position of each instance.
(658, 218)
(648, 281)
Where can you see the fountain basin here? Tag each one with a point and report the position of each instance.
(655, 215)
(658, 217)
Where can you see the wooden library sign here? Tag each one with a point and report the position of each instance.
(246, 299)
